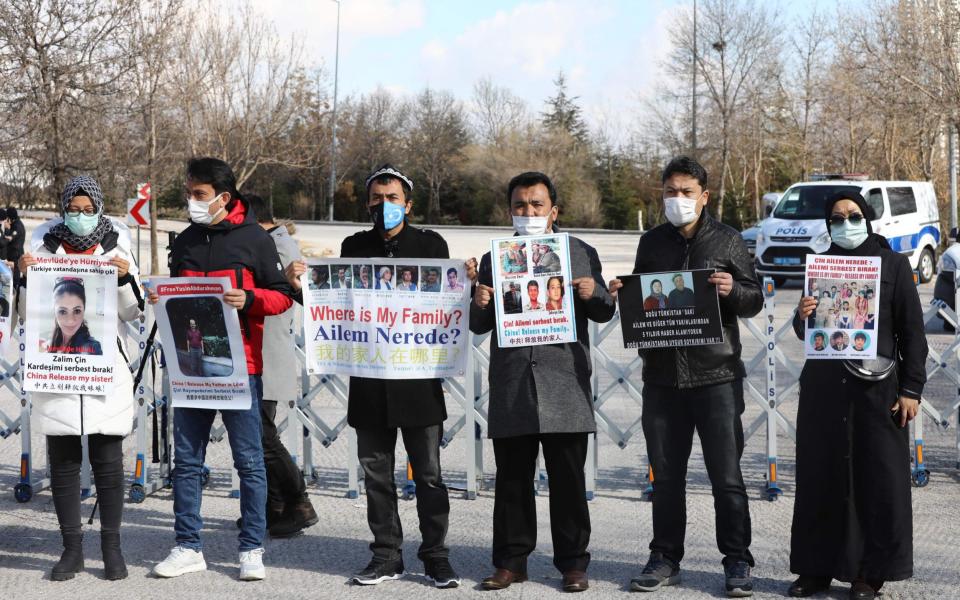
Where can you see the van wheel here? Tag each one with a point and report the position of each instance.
(926, 265)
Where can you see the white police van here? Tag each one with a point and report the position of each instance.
(905, 213)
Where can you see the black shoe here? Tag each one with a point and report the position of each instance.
(379, 570)
(273, 516)
(806, 585)
(296, 518)
(439, 571)
(71, 561)
(114, 568)
(656, 574)
(861, 590)
(739, 583)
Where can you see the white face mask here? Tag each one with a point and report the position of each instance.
(530, 225)
(680, 210)
(200, 210)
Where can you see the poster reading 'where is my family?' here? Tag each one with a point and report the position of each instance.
(71, 328)
(386, 318)
(669, 310)
(202, 343)
(533, 292)
(847, 289)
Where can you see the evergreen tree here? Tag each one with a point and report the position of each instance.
(564, 113)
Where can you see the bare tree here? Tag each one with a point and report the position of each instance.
(496, 112)
(436, 141)
(61, 64)
(734, 39)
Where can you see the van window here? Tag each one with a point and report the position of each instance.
(875, 200)
(902, 201)
(806, 201)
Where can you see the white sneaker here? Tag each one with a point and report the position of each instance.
(179, 562)
(251, 565)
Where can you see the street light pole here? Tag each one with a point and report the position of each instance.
(333, 140)
(693, 101)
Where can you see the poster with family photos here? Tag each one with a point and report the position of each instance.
(533, 290)
(844, 323)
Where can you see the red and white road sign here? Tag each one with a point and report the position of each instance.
(138, 209)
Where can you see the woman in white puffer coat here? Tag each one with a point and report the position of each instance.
(106, 419)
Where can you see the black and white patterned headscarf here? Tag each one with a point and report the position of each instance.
(82, 185)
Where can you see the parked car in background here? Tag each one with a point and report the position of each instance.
(749, 236)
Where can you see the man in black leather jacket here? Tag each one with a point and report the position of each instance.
(697, 388)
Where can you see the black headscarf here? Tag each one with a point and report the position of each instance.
(82, 185)
(865, 209)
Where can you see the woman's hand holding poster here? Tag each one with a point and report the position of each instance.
(386, 318)
(202, 343)
(533, 290)
(844, 323)
(71, 325)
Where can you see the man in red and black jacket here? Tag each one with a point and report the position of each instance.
(224, 240)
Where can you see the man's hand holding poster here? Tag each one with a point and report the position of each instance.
(533, 290)
(847, 289)
(202, 343)
(386, 318)
(71, 325)
(669, 310)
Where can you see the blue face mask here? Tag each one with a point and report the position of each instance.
(388, 215)
(81, 224)
(848, 235)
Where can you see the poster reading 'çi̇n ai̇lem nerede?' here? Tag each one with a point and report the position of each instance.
(844, 323)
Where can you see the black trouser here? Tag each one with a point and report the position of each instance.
(285, 485)
(375, 448)
(106, 460)
(515, 508)
(670, 416)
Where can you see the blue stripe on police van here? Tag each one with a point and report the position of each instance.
(906, 243)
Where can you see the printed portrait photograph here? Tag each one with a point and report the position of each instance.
(668, 291)
(545, 257)
(453, 281)
(363, 278)
(512, 258)
(200, 334)
(555, 293)
(319, 277)
(512, 298)
(385, 279)
(818, 340)
(839, 340)
(842, 304)
(431, 279)
(341, 277)
(407, 278)
(861, 341)
(76, 321)
(534, 295)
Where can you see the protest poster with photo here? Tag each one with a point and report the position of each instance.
(533, 292)
(71, 325)
(202, 343)
(669, 310)
(386, 318)
(7, 319)
(847, 289)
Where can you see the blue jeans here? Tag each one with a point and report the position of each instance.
(191, 428)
